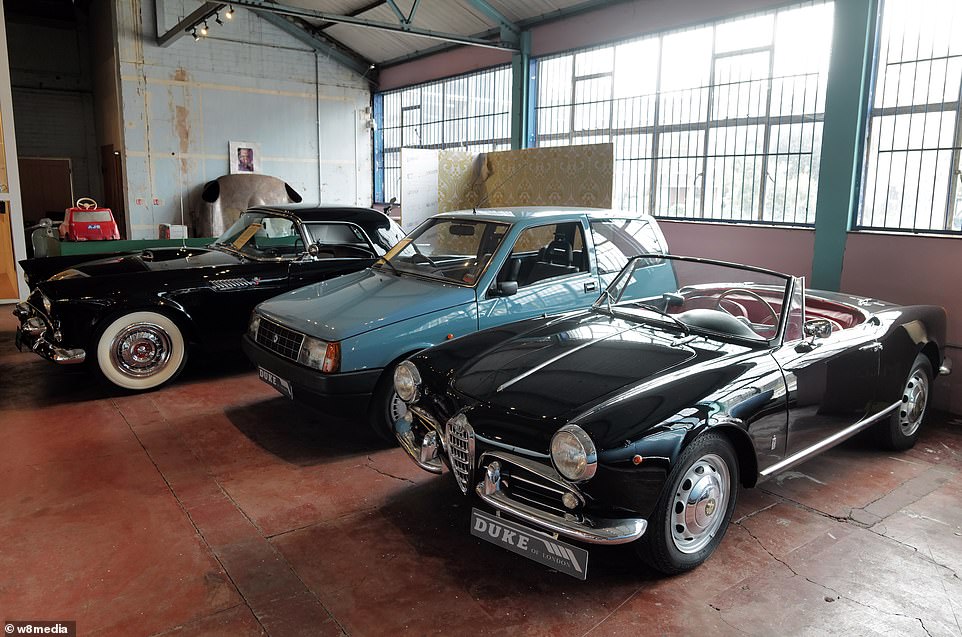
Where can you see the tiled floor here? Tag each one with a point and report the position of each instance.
(215, 507)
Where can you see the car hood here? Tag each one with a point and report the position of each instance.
(156, 259)
(359, 302)
(561, 366)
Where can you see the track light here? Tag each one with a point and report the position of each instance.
(217, 19)
(230, 12)
(193, 32)
(203, 29)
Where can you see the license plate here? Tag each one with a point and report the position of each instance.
(276, 382)
(534, 545)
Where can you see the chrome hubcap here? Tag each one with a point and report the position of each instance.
(700, 502)
(914, 399)
(141, 349)
(396, 408)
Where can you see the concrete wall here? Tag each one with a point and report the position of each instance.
(53, 97)
(616, 22)
(248, 81)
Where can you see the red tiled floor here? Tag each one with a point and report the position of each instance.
(215, 507)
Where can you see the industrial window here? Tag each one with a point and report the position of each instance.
(471, 112)
(912, 178)
(721, 122)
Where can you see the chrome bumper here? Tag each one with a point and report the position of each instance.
(32, 334)
(590, 530)
(426, 453)
(946, 368)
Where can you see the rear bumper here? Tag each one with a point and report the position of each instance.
(33, 334)
(343, 394)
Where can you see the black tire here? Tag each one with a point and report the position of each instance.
(900, 431)
(163, 358)
(384, 403)
(701, 470)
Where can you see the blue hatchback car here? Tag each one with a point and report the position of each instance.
(335, 344)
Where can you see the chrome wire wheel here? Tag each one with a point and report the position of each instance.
(699, 504)
(141, 350)
(915, 397)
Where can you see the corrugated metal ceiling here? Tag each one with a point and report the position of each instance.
(457, 17)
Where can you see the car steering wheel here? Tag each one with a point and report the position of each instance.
(768, 306)
(86, 203)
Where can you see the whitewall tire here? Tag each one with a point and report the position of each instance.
(141, 351)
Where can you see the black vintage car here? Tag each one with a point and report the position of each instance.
(637, 420)
(134, 314)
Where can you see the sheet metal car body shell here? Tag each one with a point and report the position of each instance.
(207, 292)
(644, 390)
(381, 315)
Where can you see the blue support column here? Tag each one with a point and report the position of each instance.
(843, 135)
(520, 93)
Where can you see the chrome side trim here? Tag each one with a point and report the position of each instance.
(593, 531)
(831, 441)
(426, 416)
(946, 368)
(507, 447)
(538, 368)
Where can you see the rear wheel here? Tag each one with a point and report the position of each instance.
(141, 351)
(694, 510)
(901, 430)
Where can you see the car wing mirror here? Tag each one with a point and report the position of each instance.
(505, 288)
(313, 250)
(817, 328)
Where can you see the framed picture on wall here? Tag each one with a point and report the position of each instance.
(245, 157)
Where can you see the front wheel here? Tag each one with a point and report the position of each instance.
(386, 407)
(141, 351)
(901, 430)
(692, 515)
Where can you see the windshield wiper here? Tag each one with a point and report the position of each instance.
(682, 326)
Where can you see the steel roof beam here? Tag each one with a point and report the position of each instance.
(179, 30)
(510, 32)
(310, 14)
(304, 32)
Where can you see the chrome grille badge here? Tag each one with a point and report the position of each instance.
(460, 449)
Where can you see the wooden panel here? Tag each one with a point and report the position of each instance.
(8, 269)
(46, 187)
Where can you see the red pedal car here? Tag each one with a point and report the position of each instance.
(88, 222)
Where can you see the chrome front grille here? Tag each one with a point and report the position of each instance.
(460, 450)
(533, 489)
(279, 339)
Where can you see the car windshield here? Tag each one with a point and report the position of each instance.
(696, 295)
(450, 250)
(262, 235)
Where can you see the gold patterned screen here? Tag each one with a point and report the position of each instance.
(552, 176)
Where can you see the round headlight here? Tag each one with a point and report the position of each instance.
(573, 453)
(407, 379)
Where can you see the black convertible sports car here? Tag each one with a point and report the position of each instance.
(637, 420)
(134, 314)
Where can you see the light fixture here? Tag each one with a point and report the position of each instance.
(193, 32)
(230, 12)
(203, 29)
(217, 18)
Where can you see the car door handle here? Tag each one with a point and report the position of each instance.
(590, 287)
(871, 347)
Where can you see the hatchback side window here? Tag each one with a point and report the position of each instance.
(546, 252)
(617, 240)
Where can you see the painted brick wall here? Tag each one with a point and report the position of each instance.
(248, 81)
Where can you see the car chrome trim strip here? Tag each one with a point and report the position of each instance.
(507, 447)
(592, 531)
(832, 440)
(549, 473)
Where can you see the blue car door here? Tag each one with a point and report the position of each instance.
(551, 265)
